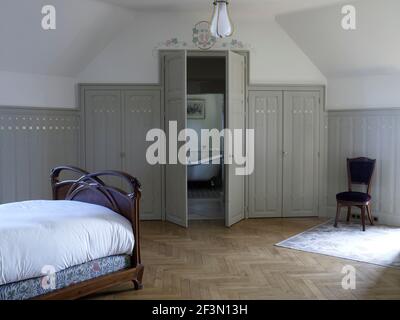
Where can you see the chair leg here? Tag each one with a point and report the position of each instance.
(348, 214)
(363, 217)
(370, 217)
(337, 215)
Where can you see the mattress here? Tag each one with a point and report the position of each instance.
(38, 237)
(28, 289)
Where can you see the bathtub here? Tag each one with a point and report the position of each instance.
(202, 169)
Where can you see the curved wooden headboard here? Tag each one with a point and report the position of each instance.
(90, 188)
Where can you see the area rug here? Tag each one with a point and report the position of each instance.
(378, 245)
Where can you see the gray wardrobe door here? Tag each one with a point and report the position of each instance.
(265, 184)
(235, 184)
(175, 110)
(103, 131)
(301, 146)
(141, 113)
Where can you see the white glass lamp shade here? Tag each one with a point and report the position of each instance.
(221, 26)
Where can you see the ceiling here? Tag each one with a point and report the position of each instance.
(372, 49)
(254, 7)
(84, 28)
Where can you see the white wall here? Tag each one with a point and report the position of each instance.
(213, 115)
(131, 57)
(30, 90)
(367, 92)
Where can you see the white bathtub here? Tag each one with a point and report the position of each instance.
(203, 169)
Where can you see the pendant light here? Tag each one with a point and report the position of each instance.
(221, 26)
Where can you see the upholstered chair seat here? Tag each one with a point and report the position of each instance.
(352, 196)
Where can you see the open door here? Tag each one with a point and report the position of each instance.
(235, 119)
(175, 110)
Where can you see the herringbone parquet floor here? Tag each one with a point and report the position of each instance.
(209, 261)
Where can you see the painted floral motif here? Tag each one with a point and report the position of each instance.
(202, 37)
(173, 43)
(234, 44)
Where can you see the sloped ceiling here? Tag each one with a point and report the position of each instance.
(372, 49)
(252, 8)
(84, 28)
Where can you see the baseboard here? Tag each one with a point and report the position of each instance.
(383, 217)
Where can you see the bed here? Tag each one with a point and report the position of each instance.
(84, 240)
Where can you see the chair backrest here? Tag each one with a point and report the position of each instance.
(360, 171)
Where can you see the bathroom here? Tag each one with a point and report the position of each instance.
(205, 110)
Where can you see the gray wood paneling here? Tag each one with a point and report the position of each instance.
(374, 134)
(32, 142)
(265, 184)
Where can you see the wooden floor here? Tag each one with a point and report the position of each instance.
(209, 261)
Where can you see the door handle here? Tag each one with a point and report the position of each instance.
(122, 154)
(284, 154)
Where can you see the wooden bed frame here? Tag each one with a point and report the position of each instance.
(90, 188)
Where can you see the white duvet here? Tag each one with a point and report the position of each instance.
(37, 234)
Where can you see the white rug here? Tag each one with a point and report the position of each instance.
(378, 245)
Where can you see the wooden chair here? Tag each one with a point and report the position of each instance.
(359, 171)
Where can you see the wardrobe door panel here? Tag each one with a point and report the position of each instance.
(265, 184)
(235, 183)
(142, 112)
(175, 110)
(103, 131)
(301, 146)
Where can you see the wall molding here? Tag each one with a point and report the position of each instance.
(364, 109)
(10, 108)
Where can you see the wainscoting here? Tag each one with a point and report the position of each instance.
(32, 142)
(374, 134)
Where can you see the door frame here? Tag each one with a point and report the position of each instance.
(202, 53)
(323, 133)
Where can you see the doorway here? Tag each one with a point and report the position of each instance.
(206, 92)
(201, 81)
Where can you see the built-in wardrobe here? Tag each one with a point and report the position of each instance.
(289, 141)
(116, 119)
